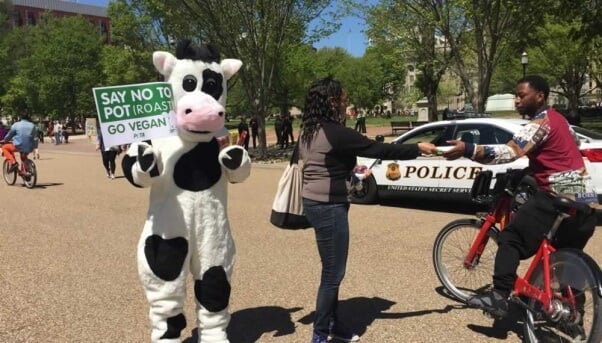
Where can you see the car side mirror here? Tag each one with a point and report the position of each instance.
(380, 138)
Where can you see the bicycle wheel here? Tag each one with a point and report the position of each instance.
(9, 177)
(30, 178)
(575, 279)
(451, 246)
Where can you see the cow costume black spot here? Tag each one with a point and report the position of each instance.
(187, 227)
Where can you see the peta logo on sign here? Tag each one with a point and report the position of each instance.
(134, 113)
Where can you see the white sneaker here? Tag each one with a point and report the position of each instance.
(112, 176)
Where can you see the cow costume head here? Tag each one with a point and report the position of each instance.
(198, 79)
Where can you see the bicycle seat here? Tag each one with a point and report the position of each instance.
(566, 205)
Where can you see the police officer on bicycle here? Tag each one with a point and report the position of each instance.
(557, 165)
(22, 134)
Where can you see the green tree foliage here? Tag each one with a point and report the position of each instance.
(564, 60)
(60, 70)
(134, 36)
(364, 80)
(464, 36)
(123, 66)
(406, 32)
(138, 25)
(586, 27)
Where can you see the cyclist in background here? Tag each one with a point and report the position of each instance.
(558, 167)
(22, 134)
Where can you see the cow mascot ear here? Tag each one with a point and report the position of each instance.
(230, 66)
(164, 62)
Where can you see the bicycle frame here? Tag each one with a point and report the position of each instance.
(544, 296)
(499, 215)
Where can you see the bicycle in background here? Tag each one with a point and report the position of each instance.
(26, 170)
(560, 293)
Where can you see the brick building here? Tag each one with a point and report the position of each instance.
(27, 12)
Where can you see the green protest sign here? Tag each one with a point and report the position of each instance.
(133, 113)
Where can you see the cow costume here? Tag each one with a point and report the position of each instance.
(187, 228)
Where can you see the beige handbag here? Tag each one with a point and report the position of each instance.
(287, 209)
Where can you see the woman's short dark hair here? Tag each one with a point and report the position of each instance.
(538, 83)
(319, 105)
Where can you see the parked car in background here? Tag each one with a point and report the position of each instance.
(437, 178)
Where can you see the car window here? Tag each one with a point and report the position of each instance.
(435, 135)
(482, 134)
(586, 132)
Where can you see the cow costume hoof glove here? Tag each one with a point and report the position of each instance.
(232, 157)
(146, 157)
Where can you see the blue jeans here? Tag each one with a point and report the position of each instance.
(332, 236)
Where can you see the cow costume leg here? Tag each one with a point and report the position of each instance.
(212, 276)
(162, 269)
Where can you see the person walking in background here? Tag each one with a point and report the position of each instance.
(58, 132)
(243, 129)
(289, 127)
(108, 155)
(65, 135)
(254, 127)
(285, 134)
(3, 131)
(360, 123)
(51, 132)
(41, 131)
(329, 150)
(278, 130)
(36, 142)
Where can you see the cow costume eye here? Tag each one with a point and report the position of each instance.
(212, 83)
(189, 83)
(209, 86)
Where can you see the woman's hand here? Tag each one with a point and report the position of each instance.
(427, 148)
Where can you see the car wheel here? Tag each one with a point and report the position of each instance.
(367, 195)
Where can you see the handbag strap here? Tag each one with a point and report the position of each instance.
(295, 154)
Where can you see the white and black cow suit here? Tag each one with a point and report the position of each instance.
(187, 227)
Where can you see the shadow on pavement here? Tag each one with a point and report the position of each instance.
(502, 326)
(249, 325)
(46, 185)
(359, 313)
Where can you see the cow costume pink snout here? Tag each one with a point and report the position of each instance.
(199, 113)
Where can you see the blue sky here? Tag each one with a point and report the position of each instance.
(350, 37)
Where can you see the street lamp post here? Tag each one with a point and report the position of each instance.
(524, 60)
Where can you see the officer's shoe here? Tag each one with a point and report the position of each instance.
(493, 302)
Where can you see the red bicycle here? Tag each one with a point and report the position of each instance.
(561, 291)
(26, 169)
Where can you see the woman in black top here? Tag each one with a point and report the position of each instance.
(328, 150)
